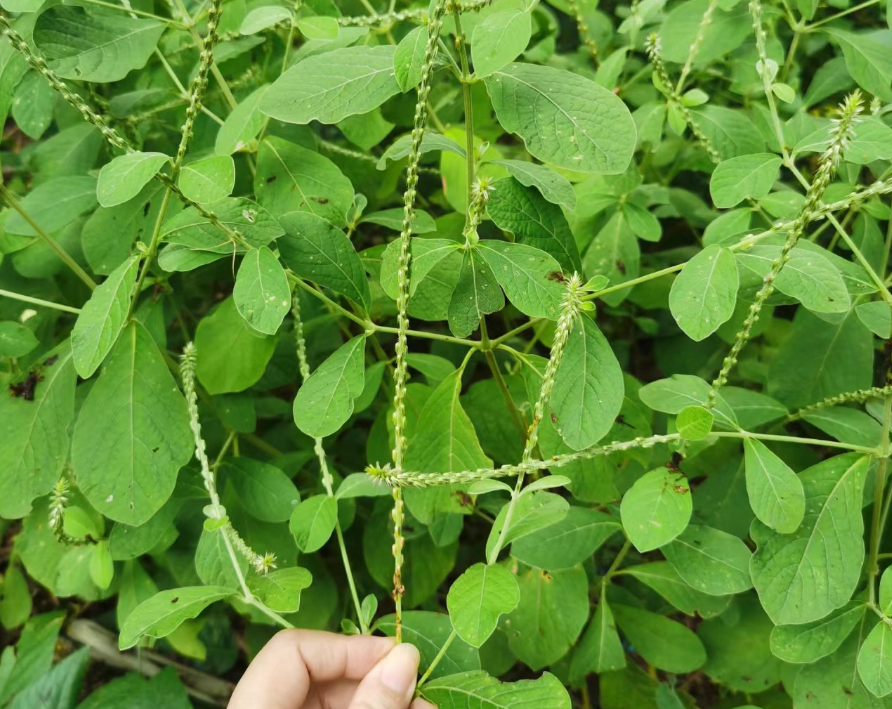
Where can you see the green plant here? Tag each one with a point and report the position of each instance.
(597, 297)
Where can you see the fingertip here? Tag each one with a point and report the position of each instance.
(399, 670)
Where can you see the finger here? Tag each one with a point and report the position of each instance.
(391, 682)
(421, 704)
(283, 671)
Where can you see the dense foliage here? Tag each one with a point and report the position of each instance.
(552, 338)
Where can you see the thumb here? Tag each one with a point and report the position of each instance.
(391, 683)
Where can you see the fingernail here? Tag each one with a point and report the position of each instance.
(399, 669)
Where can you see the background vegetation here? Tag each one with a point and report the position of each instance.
(552, 337)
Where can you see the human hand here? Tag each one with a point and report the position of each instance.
(308, 669)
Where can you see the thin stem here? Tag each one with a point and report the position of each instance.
(500, 380)
(140, 13)
(319, 449)
(614, 567)
(289, 42)
(436, 661)
(878, 518)
(66, 258)
(843, 13)
(468, 107)
(695, 46)
(39, 302)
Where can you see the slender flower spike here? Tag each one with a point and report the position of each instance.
(840, 133)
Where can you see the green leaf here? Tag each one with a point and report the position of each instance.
(34, 445)
(499, 39)
(478, 598)
(476, 294)
(108, 234)
(877, 316)
(94, 44)
(320, 252)
(293, 179)
(552, 186)
(409, 59)
(102, 318)
(423, 223)
(527, 275)
(665, 644)
(568, 542)
(736, 179)
(738, 648)
(263, 489)
(867, 60)
(266, 16)
(125, 176)
(600, 649)
(166, 611)
(710, 561)
(776, 494)
(534, 221)
(253, 222)
(313, 521)
(845, 364)
(59, 687)
(15, 598)
(656, 509)
(434, 273)
(589, 129)
(132, 435)
(325, 401)
(444, 441)
(532, 513)
(213, 564)
(694, 423)
(875, 660)
(431, 142)
(318, 27)
(807, 643)
(552, 612)
(808, 276)
(242, 125)
(208, 180)
(331, 86)
(721, 35)
(54, 205)
(662, 577)
(643, 223)
(280, 590)
(477, 689)
(15, 340)
(614, 254)
(801, 577)
(588, 389)
(705, 292)
(102, 567)
(262, 294)
(33, 104)
(232, 355)
(730, 132)
(429, 632)
(679, 391)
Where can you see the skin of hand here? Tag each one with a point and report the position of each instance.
(309, 669)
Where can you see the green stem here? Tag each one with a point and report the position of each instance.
(500, 380)
(849, 11)
(879, 518)
(14, 203)
(140, 13)
(468, 107)
(436, 661)
(38, 301)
